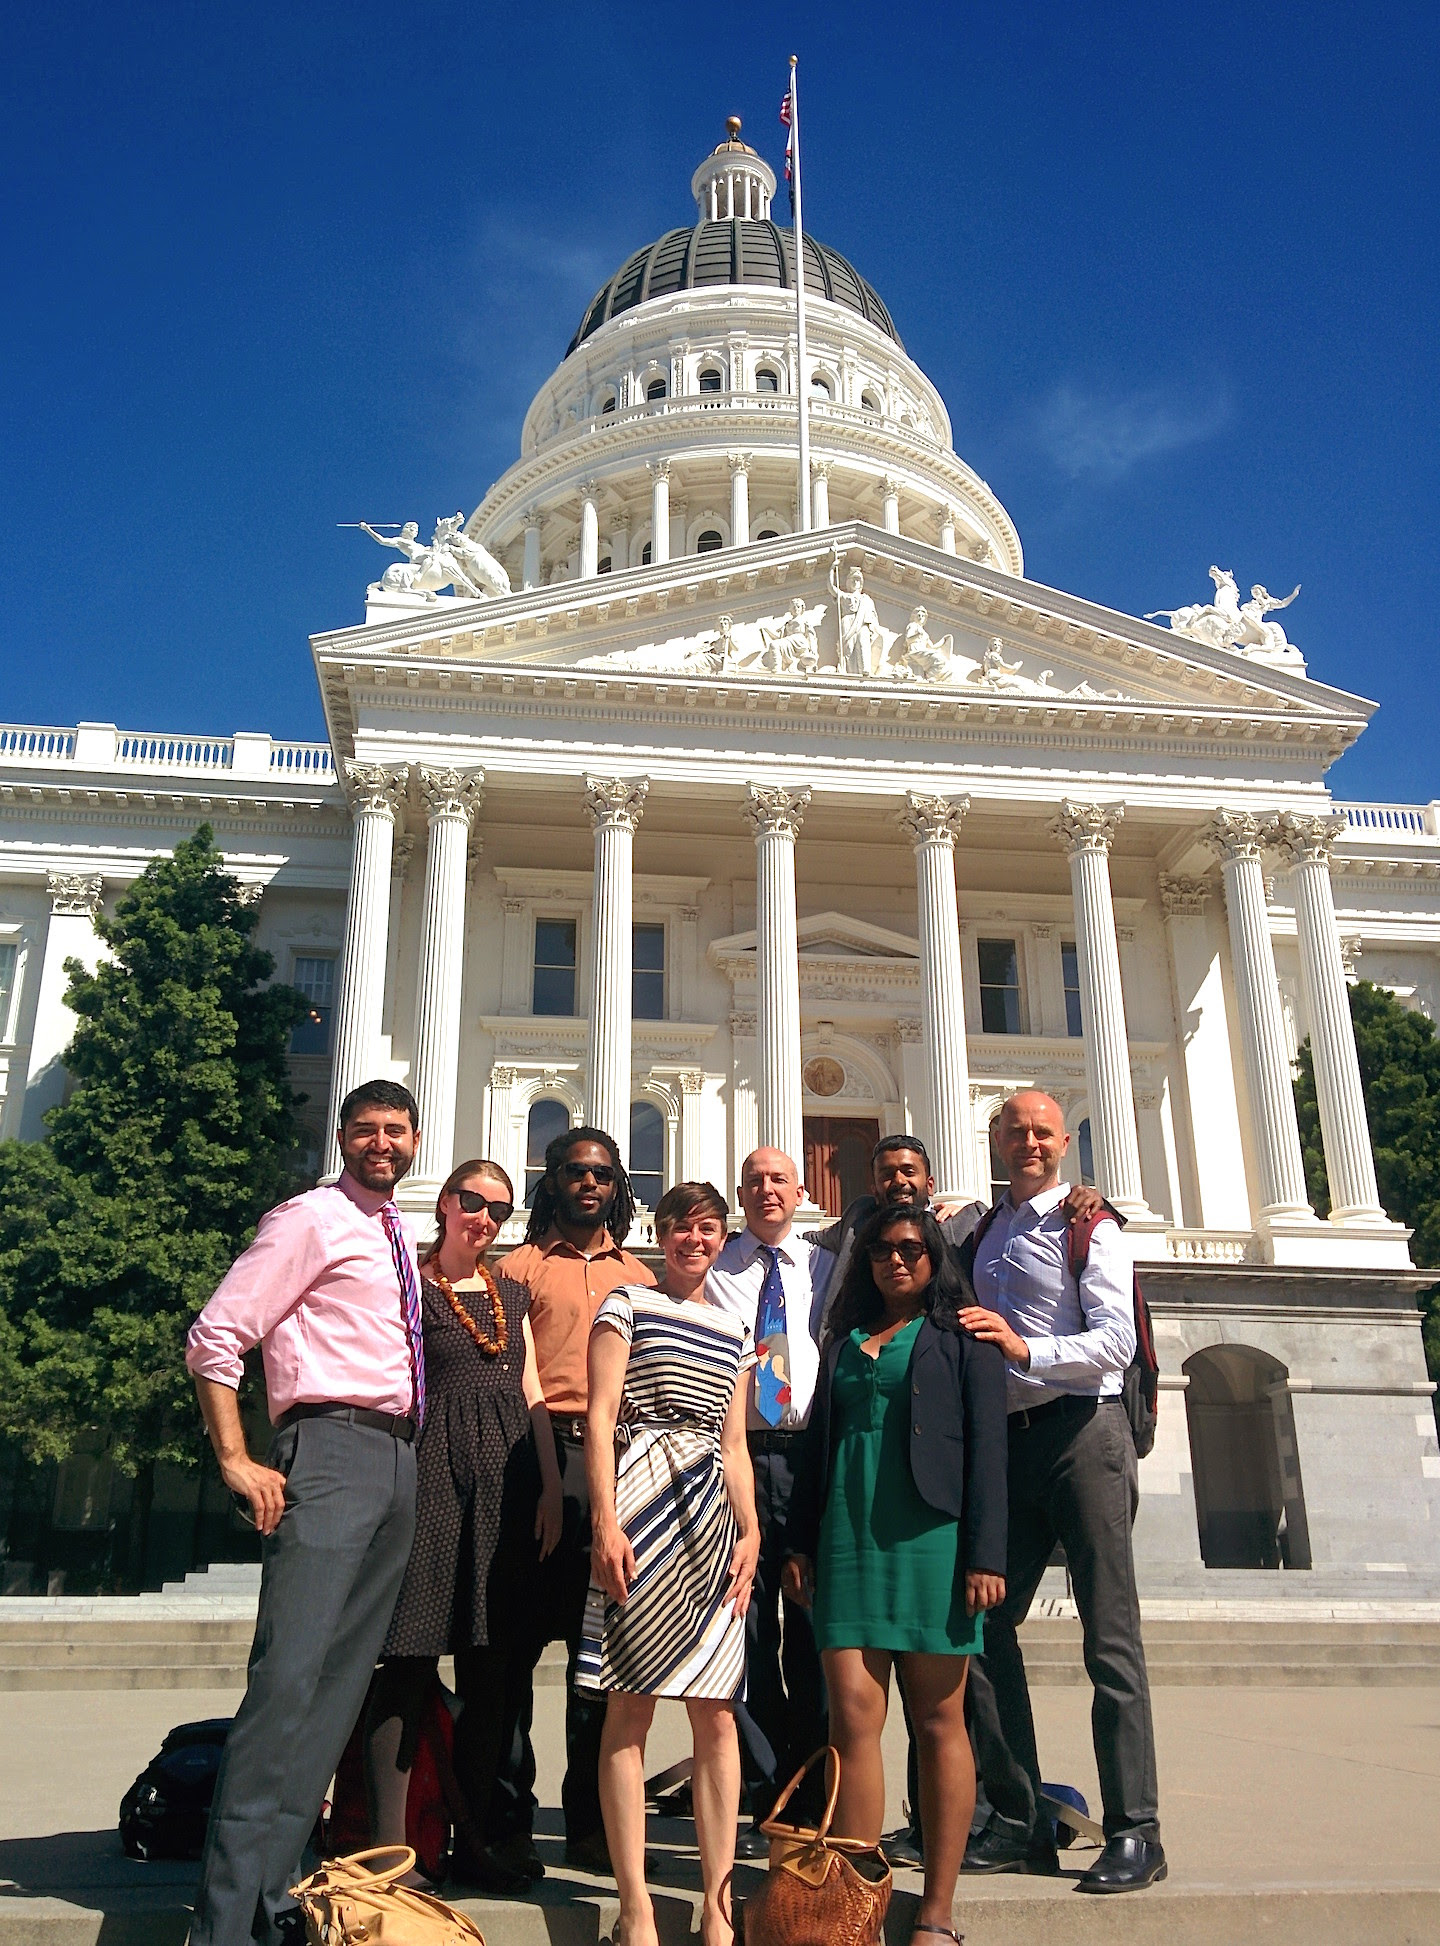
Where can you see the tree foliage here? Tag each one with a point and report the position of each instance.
(176, 1139)
(1400, 1069)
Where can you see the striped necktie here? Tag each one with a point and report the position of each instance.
(409, 1304)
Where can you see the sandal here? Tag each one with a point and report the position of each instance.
(945, 1932)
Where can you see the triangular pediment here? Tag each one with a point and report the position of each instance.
(851, 620)
(828, 935)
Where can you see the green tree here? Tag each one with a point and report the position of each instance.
(177, 1137)
(1400, 1070)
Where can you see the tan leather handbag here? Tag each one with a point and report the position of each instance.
(354, 1902)
(820, 1891)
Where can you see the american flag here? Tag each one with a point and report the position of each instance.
(785, 123)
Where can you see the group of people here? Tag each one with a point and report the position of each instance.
(791, 1465)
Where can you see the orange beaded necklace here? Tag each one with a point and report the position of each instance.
(492, 1346)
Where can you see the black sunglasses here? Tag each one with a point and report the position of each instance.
(472, 1202)
(578, 1171)
(909, 1250)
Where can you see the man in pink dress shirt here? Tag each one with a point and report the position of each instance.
(329, 1291)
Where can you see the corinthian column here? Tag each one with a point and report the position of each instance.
(1239, 839)
(376, 791)
(774, 816)
(932, 823)
(739, 499)
(1349, 1161)
(1086, 831)
(613, 806)
(659, 511)
(75, 900)
(452, 798)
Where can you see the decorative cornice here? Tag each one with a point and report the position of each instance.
(1086, 827)
(75, 895)
(1307, 840)
(1237, 834)
(375, 790)
(615, 802)
(771, 810)
(1184, 897)
(450, 794)
(933, 820)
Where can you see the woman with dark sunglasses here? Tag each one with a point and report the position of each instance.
(897, 1528)
(487, 1512)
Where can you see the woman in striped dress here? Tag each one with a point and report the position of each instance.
(675, 1544)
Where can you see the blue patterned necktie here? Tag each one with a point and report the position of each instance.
(772, 1344)
(409, 1304)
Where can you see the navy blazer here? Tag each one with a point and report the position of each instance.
(957, 1449)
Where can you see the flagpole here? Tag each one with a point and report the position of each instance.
(803, 371)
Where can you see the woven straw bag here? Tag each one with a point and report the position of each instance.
(354, 1902)
(819, 1891)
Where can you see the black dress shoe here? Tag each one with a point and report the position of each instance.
(488, 1872)
(1004, 1847)
(1126, 1864)
(519, 1853)
(904, 1848)
(752, 1844)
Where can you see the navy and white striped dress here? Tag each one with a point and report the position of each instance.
(677, 1633)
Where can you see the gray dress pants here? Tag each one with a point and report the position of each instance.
(332, 1572)
(1073, 1478)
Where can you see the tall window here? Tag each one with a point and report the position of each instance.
(999, 986)
(710, 541)
(999, 1174)
(709, 380)
(647, 976)
(547, 1120)
(8, 957)
(1084, 1142)
(647, 1152)
(605, 564)
(1070, 978)
(554, 989)
(610, 403)
(766, 380)
(821, 386)
(869, 402)
(315, 977)
(656, 389)
(645, 555)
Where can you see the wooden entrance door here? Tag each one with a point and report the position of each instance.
(837, 1159)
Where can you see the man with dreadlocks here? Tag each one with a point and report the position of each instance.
(570, 1262)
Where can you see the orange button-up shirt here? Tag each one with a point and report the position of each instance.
(566, 1289)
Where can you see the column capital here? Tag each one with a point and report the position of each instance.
(771, 808)
(531, 519)
(504, 1077)
(889, 483)
(658, 469)
(76, 895)
(1086, 827)
(738, 463)
(692, 1081)
(589, 489)
(450, 793)
(615, 801)
(932, 819)
(376, 789)
(1184, 897)
(1237, 834)
(1307, 839)
(820, 469)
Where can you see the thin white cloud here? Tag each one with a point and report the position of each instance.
(1104, 437)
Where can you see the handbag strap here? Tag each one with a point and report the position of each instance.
(832, 1776)
(354, 1872)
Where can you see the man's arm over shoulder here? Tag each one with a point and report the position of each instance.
(264, 1283)
(961, 1223)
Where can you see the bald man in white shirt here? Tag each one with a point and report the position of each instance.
(1074, 1477)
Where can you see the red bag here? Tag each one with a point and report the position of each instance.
(427, 1810)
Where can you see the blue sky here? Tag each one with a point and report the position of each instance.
(1174, 270)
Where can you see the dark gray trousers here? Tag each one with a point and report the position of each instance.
(332, 1572)
(1073, 1478)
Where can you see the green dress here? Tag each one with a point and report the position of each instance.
(888, 1574)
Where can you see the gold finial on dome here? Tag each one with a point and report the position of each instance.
(732, 127)
(732, 180)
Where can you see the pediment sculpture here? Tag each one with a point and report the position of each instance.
(451, 560)
(1228, 623)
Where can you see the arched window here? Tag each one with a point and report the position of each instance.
(766, 380)
(645, 555)
(547, 1120)
(656, 389)
(821, 386)
(709, 379)
(647, 1152)
(709, 541)
(767, 534)
(869, 402)
(605, 564)
(610, 403)
(1085, 1143)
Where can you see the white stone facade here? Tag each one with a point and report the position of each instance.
(849, 829)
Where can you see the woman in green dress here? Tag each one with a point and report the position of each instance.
(897, 1528)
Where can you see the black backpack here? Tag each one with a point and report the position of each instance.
(165, 1811)
(1140, 1387)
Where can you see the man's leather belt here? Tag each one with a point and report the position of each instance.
(1068, 1403)
(397, 1424)
(774, 1439)
(569, 1425)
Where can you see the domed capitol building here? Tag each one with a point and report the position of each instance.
(648, 804)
